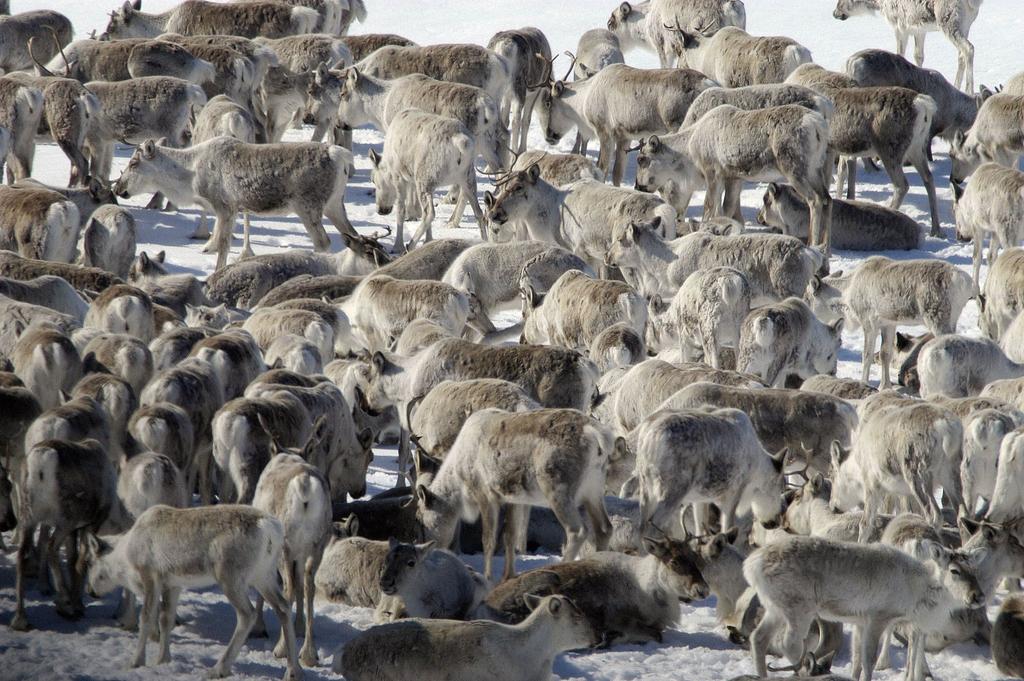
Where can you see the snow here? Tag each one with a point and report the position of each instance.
(94, 648)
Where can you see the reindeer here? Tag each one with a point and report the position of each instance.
(916, 18)
(316, 182)
(199, 17)
(646, 24)
(18, 31)
(619, 104)
(734, 58)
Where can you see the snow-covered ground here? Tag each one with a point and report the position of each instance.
(94, 648)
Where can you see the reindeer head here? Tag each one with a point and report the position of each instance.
(966, 155)
(851, 8)
(322, 95)
(825, 298)
(628, 242)
(514, 198)
(847, 490)
(400, 562)
(147, 171)
(123, 22)
(683, 564)
(351, 103)
(572, 628)
(105, 572)
(386, 193)
(439, 516)
(146, 267)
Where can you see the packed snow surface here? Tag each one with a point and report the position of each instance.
(697, 650)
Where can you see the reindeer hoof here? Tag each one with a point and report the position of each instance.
(20, 622)
(308, 657)
(216, 672)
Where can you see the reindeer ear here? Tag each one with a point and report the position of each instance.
(533, 174)
(557, 89)
(654, 142)
(423, 548)
(837, 453)
(148, 149)
(144, 259)
(625, 9)
(837, 327)
(365, 438)
(779, 459)
(532, 601)
(488, 199)
(655, 547)
(379, 361)
(426, 498)
(160, 257)
(773, 189)
(352, 77)
(136, 5)
(350, 525)
(817, 483)
(374, 158)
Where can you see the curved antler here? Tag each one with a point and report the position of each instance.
(545, 80)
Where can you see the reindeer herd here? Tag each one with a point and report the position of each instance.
(669, 419)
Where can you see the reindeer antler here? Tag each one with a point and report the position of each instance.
(571, 65)
(546, 78)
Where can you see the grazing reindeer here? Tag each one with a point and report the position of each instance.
(734, 58)
(528, 54)
(650, 25)
(958, 366)
(70, 487)
(21, 109)
(992, 206)
(38, 223)
(458, 63)
(113, 60)
(1003, 298)
(916, 18)
(691, 457)
(997, 136)
(508, 459)
(798, 420)
(581, 216)
(198, 17)
(355, 98)
(226, 176)
(775, 266)
(893, 123)
(577, 308)
(704, 316)
(955, 109)
(237, 547)
(800, 578)
(787, 338)
(783, 143)
(882, 293)
(424, 152)
(299, 496)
